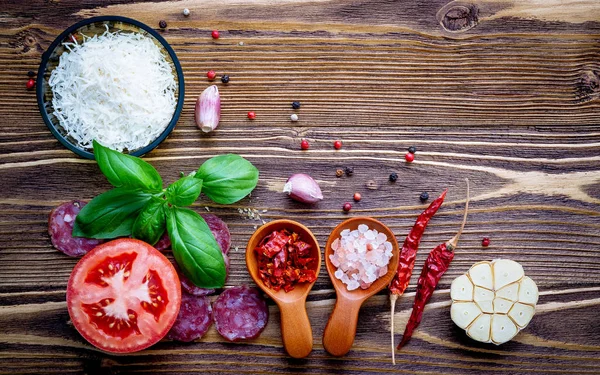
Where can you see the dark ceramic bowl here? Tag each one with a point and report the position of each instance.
(89, 27)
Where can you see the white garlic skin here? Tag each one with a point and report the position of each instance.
(493, 301)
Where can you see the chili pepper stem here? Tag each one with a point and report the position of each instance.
(453, 243)
(393, 299)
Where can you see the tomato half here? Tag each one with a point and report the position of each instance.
(123, 296)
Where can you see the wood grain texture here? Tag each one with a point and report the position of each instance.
(506, 93)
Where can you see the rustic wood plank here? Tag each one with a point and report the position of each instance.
(506, 93)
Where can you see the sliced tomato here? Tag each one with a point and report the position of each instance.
(123, 296)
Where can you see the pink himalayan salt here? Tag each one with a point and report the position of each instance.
(361, 256)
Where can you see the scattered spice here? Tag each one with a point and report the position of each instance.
(409, 157)
(284, 260)
(349, 171)
(424, 196)
(337, 145)
(251, 115)
(30, 73)
(339, 172)
(211, 74)
(215, 34)
(357, 197)
(296, 105)
(241, 43)
(408, 254)
(435, 266)
(412, 149)
(372, 185)
(294, 117)
(225, 78)
(30, 84)
(162, 24)
(393, 177)
(485, 242)
(304, 144)
(186, 12)
(347, 206)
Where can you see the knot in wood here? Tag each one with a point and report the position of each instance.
(458, 18)
(588, 86)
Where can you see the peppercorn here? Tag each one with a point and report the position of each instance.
(409, 157)
(424, 196)
(357, 197)
(337, 145)
(485, 242)
(225, 78)
(349, 171)
(304, 144)
(215, 34)
(412, 149)
(30, 84)
(251, 115)
(30, 73)
(393, 177)
(294, 117)
(296, 105)
(211, 74)
(162, 24)
(186, 12)
(339, 172)
(347, 206)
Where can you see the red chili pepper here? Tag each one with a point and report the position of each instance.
(407, 258)
(435, 266)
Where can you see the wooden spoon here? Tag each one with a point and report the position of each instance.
(295, 327)
(341, 327)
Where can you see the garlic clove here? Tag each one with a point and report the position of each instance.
(509, 292)
(480, 329)
(461, 289)
(521, 314)
(208, 109)
(303, 188)
(528, 292)
(481, 274)
(503, 329)
(506, 272)
(463, 313)
(482, 294)
(486, 306)
(502, 306)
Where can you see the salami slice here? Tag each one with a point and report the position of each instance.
(240, 313)
(218, 228)
(188, 286)
(60, 226)
(194, 319)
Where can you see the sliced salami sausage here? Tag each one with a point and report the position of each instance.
(218, 228)
(194, 319)
(60, 227)
(240, 313)
(188, 286)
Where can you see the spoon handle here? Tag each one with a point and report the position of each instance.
(341, 327)
(295, 328)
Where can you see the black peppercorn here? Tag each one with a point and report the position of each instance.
(424, 196)
(412, 149)
(162, 24)
(225, 78)
(295, 105)
(30, 73)
(349, 171)
(393, 177)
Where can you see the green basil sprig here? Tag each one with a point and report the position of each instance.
(140, 207)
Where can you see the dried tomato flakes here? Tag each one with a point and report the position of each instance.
(284, 260)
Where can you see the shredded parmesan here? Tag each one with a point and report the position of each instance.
(116, 88)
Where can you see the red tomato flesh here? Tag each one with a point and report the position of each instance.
(123, 296)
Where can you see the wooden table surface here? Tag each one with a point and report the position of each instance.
(506, 93)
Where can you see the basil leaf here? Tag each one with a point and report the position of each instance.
(150, 223)
(227, 178)
(184, 191)
(110, 214)
(125, 170)
(195, 248)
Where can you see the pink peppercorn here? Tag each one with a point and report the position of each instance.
(215, 34)
(211, 74)
(251, 115)
(409, 157)
(30, 84)
(304, 144)
(357, 197)
(485, 242)
(347, 206)
(337, 145)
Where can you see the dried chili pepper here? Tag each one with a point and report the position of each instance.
(407, 258)
(435, 266)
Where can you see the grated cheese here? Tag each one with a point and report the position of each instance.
(117, 88)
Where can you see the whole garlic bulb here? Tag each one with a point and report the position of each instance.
(493, 301)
